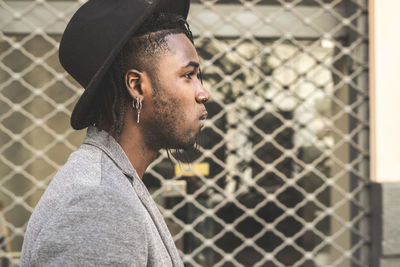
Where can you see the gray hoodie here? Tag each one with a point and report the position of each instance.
(97, 212)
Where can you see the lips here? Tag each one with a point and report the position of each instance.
(202, 119)
(203, 116)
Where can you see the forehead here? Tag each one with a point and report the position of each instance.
(181, 48)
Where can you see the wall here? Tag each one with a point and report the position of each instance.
(385, 144)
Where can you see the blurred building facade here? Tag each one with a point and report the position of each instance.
(283, 177)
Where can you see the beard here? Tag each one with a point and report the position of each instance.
(189, 154)
(163, 129)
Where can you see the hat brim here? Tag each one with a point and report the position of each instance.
(83, 113)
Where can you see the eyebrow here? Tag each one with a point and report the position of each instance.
(192, 64)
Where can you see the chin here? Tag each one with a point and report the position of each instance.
(194, 143)
(187, 143)
(183, 150)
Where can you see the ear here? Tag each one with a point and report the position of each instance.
(133, 83)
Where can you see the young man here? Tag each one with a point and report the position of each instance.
(140, 70)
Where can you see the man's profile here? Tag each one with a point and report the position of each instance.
(140, 70)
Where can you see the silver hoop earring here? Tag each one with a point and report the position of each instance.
(138, 105)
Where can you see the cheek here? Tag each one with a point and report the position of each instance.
(169, 109)
(176, 104)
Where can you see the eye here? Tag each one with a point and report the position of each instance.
(189, 75)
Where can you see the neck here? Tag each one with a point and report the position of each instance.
(133, 143)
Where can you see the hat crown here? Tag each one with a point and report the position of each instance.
(94, 31)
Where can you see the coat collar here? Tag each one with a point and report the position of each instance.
(110, 146)
(107, 143)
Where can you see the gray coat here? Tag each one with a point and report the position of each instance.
(97, 212)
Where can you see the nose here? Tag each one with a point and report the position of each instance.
(202, 95)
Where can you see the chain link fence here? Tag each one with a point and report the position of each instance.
(282, 179)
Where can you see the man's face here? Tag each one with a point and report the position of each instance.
(176, 110)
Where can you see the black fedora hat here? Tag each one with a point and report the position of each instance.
(95, 35)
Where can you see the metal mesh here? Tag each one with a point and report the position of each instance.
(283, 174)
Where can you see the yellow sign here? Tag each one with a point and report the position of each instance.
(202, 168)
